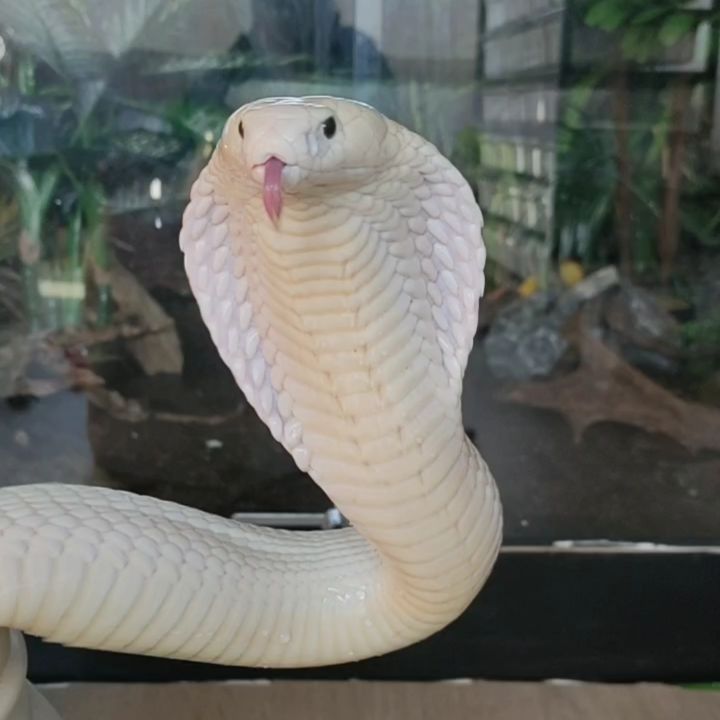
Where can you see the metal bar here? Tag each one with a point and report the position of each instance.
(333, 518)
(328, 520)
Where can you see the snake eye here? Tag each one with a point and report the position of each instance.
(329, 127)
(241, 129)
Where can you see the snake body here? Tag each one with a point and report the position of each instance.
(337, 261)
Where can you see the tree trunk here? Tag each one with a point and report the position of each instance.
(669, 230)
(623, 195)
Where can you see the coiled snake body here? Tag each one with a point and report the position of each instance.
(337, 261)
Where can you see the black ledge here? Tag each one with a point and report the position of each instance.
(604, 614)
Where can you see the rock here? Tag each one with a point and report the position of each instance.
(642, 322)
(526, 339)
(596, 284)
(654, 363)
(584, 292)
(16, 351)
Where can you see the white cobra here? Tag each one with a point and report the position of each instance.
(337, 260)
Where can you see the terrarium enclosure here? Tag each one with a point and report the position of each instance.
(589, 131)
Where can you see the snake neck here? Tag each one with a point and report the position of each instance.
(348, 336)
(344, 328)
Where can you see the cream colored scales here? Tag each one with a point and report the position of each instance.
(337, 260)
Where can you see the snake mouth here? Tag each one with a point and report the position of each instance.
(271, 172)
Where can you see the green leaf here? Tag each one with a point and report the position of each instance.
(607, 14)
(639, 43)
(675, 28)
(648, 15)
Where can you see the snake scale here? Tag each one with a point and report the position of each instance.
(337, 261)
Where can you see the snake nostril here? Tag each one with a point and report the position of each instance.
(241, 129)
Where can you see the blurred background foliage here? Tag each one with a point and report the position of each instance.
(109, 108)
(80, 132)
(589, 131)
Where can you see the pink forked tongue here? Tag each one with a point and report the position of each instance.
(272, 189)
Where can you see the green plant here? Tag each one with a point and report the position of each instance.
(641, 34)
(645, 27)
(703, 334)
(35, 191)
(75, 142)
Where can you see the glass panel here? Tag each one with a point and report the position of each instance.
(590, 133)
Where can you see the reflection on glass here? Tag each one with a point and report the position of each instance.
(590, 132)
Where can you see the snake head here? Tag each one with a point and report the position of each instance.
(298, 146)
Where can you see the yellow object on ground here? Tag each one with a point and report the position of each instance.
(529, 287)
(571, 272)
